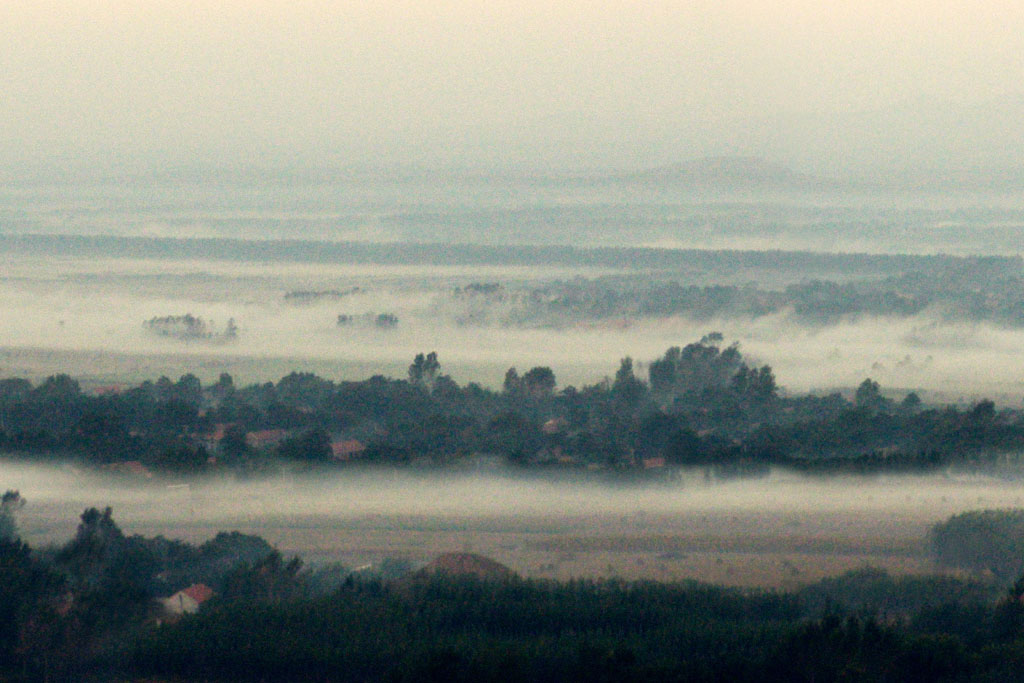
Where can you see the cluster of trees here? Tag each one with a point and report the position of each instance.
(982, 541)
(384, 321)
(701, 404)
(308, 296)
(189, 327)
(982, 288)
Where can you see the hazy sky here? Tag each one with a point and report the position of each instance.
(526, 83)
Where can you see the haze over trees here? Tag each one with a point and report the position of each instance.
(190, 328)
(293, 239)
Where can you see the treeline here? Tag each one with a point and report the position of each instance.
(700, 405)
(977, 289)
(188, 327)
(705, 261)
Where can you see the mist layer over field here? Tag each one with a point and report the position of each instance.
(735, 531)
(358, 494)
(85, 316)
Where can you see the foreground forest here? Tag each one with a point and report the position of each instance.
(699, 405)
(89, 610)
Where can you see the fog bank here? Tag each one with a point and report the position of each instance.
(58, 494)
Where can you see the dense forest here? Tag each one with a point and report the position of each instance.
(700, 405)
(94, 609)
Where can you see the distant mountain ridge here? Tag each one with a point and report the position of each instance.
(728, 171)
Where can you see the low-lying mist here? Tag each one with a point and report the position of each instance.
(693, 503)
(85, 317)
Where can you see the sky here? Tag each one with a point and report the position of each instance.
(846, 86)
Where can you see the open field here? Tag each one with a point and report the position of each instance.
(605, 546)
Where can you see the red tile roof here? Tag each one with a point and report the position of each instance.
(199, 592)
(457, 564)
(343, 450)
(554, 425)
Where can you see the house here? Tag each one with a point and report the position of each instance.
(565, 458)
(265, 438)
(218, 432)
(346, 450)
(188, 600)
(211, 440)
(555, 425)
(129, 468)
(654, 463)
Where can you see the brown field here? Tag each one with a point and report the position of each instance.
(732, 550)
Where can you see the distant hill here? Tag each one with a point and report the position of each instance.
(728, 171)
(467, 564)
